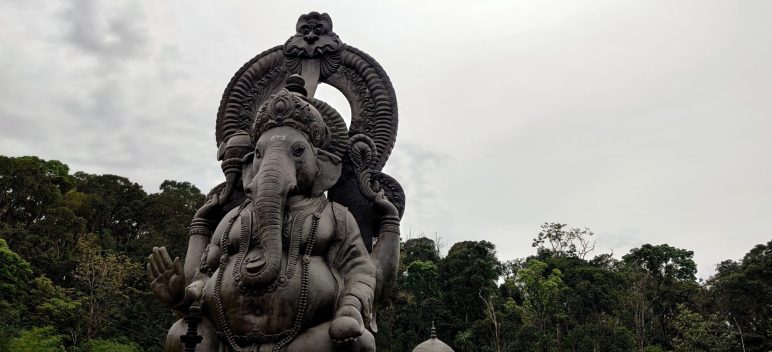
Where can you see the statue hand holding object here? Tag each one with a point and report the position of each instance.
(209, 208)
(384, 206)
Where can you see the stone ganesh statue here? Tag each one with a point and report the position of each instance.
(274, 264)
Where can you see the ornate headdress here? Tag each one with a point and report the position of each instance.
(263, 94)
(290, 107)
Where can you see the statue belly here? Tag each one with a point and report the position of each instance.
(274, 312)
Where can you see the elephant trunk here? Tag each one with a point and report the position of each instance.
(275, 178)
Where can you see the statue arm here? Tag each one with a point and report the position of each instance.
(385, 253)
(386, 256)
(190, 287)
(201, 229)
(198, 248)
(351, 259)
(200, 236)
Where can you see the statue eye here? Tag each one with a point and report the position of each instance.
(298, 151)
(305, 30)
(318, 30)
(258, 154)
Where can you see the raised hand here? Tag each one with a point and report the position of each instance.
(210, 207)
(383, 206)
(167, 279)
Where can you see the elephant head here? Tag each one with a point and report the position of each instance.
(288, 162)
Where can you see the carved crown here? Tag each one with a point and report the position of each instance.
(290, 107)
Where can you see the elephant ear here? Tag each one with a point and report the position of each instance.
(329, 171)
(249, 167)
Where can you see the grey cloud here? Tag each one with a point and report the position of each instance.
(646, 131)
(417, 167)
(114, 33)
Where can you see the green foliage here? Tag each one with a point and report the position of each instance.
(653, 348)
(542, 290)
(737, 291)
(470, 270)
(659, 278)
(113, 209)
(50, 242)
(663, 262)
(421, 279)
(166, 215)
(99, 345)
(59, 307)
(28, 185)
(72, 249)
(608, 334)
(103, 281)
(422, 248)
(554, 238)
(701, 333)
(37, 340)
(15, 272)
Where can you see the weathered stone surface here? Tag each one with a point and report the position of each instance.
(274, 264)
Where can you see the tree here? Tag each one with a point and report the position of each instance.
(421, 280)
(659, 278)
(741, 292)
(696, 332)
(421, 248)
(469, 270)
(542, 290)
(102, 280)
(28, 186)
(49, 243)
(493, 317)
(15, 273)
(37, 340)
(405, 319)
(59, 307)
(604, 334)
(165, 218)
(99, 345)
(114, 208)
(571, 242)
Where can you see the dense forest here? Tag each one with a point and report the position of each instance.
(73, 249)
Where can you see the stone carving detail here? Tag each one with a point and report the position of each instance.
(314, 38)
(274, 264)
(358, 76)
(363, 155)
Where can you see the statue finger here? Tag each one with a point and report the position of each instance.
(178, 267)
(158, 263)
(148, 271)
(166, 259)
(152, 266)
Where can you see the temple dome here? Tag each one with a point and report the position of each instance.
(433, 344)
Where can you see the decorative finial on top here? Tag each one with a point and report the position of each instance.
(434, 331)
(296, 84)
(313, 37)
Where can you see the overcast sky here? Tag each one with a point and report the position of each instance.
(646, 121)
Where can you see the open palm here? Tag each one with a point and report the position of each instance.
(167, 280)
